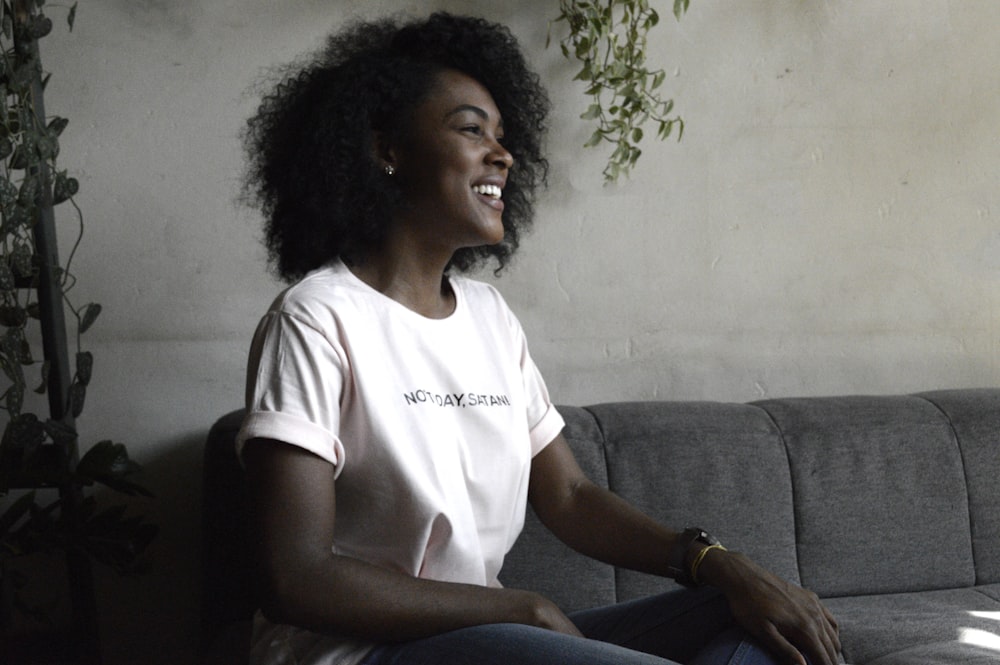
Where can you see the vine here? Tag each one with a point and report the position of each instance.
(609, 38)
(38, 452)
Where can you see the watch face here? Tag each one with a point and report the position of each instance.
(707, 538)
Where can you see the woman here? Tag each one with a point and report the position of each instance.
(397, 425)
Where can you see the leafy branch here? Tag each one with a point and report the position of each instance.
(609, 38)
(37, 452)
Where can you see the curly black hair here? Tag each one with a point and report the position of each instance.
(312, 166)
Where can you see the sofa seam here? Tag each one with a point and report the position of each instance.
(965, 477)
(791, 483)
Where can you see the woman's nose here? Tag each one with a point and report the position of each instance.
(500, 156)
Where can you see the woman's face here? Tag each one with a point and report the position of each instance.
(452, 167)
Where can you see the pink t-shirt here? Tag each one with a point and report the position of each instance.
(430, 423)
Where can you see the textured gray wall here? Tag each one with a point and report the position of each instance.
(829, 223)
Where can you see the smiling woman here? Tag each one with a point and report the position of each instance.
(396, 424)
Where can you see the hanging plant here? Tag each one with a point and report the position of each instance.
(609, 38)
(35, 291)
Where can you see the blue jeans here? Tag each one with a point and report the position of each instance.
(684, 626)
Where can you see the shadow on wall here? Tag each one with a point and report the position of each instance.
(152, 617)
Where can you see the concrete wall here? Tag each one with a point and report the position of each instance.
(829, 224)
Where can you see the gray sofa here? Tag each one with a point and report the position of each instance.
(888, 507)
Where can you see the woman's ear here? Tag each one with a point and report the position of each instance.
(385, 154)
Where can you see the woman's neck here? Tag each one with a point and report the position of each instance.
(413, 282)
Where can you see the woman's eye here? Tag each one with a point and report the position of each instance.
(474, 129)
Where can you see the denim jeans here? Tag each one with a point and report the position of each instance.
(684, 626)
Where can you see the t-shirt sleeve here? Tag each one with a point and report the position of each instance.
(544, 421)
(295, 379)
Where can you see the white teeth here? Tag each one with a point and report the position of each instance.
(487, 190)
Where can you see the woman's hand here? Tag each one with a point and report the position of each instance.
(786, 619)
(543, 613)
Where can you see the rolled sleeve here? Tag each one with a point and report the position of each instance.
(294, 387)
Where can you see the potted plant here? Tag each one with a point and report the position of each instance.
(45, 502)
(608, 38)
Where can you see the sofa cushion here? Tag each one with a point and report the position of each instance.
(880, 496)
(716, 465)
(975, 417)
(947, 626)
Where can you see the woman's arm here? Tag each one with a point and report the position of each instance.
(305, 584)
(786, 618)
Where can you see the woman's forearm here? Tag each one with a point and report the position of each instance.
(602, 525)
(351, 598)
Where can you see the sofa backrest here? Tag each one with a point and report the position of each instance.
(720, 466)
(975, 417)
(881, 504)
(847, 495)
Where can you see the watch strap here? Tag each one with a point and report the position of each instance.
(677, 565)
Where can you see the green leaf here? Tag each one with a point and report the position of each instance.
(30, 189)
(612, 172)
(6, 367)
(20, 159)
(44, 385)
(48, 147)
(89, 315)
(592, 113)
(108, 463)
(57, 125)
(40, 27)
(15, 396)
(64, 188)
(22, 256)
(59, 432)
(15, 346)
(17, 217)
(106, 458)
(24, 431)
(594, 139)
(17, 510)
(84, 366)
(680, 7)
(8, 194)
(7, 283)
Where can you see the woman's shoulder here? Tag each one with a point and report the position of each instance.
(483, 298)
(318, 294)
(477, 292)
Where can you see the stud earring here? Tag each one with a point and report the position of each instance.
(389, 170)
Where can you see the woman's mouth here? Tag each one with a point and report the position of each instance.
(491, 191)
